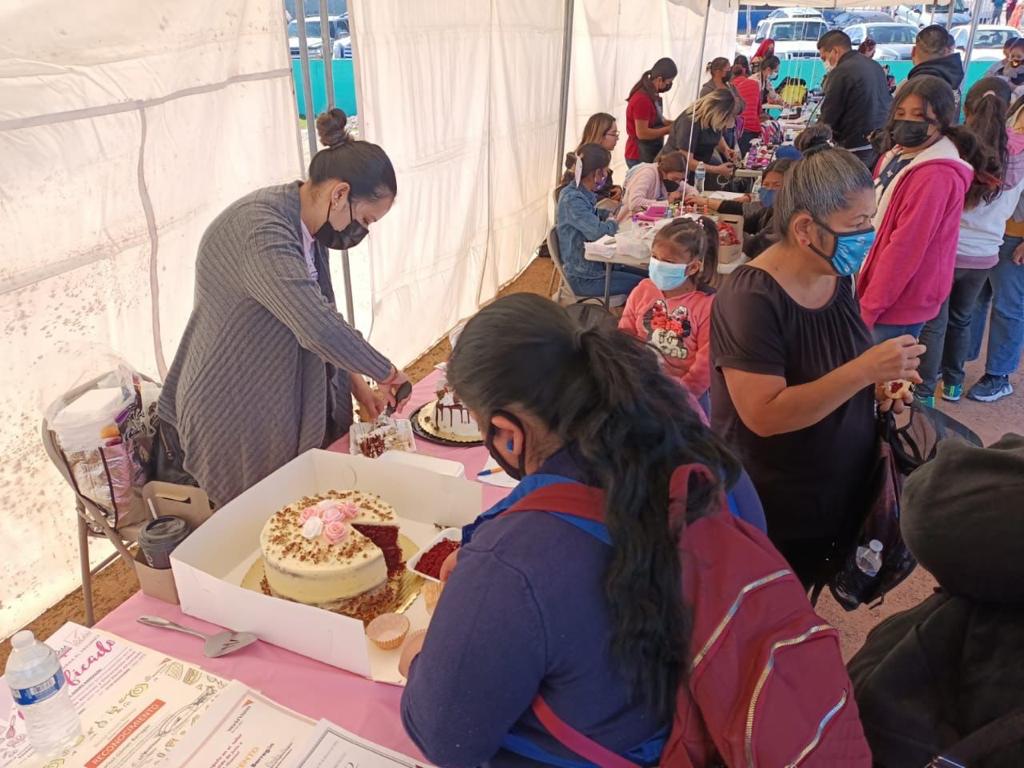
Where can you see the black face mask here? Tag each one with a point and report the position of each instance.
(727, 77)
(910, 133)
(349, 237)
(516, 473)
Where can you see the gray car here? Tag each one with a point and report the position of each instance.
(894, 41)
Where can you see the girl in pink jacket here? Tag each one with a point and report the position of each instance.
(921, 186)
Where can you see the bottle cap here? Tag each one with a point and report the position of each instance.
(23, 639)
(875, 545)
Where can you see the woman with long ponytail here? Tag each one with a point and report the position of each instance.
(574, 601)
(646, 125)
(982, 227)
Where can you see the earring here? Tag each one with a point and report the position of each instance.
(510, 446)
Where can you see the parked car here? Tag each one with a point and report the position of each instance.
(988, 41)
(925, 15)
(894, 41)
(849, 18)
(314, 38)
(830, 15)
(794, 13)
(794, 38)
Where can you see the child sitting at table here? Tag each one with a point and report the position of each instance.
(671, 310)
(579, 221)
(647, 184)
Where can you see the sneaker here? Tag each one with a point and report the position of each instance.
(926, 401)
(952, 392)
(990, 388)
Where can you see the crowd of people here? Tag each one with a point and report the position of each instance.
(871, 255)
(689, 470)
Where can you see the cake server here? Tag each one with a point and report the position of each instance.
(220, 644)
(402, 394)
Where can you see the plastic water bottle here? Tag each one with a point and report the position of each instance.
(699, 176)
(869, 558)
(41, 694)
(755, 192)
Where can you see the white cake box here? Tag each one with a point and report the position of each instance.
(210, 564)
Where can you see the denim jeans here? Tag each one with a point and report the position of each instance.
(631, 163)
(885, 332)
(948, 336)
(624, 280)
(1006, 336)
(979, 319)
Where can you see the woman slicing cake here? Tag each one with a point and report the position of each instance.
(561, 632)
(267, 367)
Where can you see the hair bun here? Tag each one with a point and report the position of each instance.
(331, 128)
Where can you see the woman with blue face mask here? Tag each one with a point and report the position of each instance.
(794, 374)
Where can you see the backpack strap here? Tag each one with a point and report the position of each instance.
(572, 739)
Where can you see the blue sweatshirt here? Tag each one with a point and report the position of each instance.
(524, 612)
(578, 222)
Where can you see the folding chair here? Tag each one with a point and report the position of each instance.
(564, 295)
(92, 520)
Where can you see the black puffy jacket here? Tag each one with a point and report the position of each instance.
(857, 100)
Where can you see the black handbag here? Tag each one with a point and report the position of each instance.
(901, 450)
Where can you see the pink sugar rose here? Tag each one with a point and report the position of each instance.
(336, 531)
(307, 513)
(332, 515)
(349, 511)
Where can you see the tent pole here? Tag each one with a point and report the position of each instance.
(307, 88)
(328, 53)
(748, 19)
(703, 46)
(563, 105)
(975, 18)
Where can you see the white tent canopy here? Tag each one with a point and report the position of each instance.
(125, 130)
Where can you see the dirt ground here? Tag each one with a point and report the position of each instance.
(117, 583)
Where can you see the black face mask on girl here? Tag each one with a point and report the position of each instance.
(341, 240)
(910, 133)
(515, 472)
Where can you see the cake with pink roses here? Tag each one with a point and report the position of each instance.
(337, 550)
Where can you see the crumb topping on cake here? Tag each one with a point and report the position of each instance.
(285, 538)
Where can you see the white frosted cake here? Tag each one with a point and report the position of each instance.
(335, 550)
(451, 416)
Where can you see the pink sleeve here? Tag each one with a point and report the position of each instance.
(698, 378)
(641, 190)
(923, 203)
(633, 311)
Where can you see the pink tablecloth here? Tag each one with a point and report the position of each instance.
(314, 689)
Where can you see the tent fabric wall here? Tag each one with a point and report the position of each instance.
(464, 97)
(616, 41)
(124, 129)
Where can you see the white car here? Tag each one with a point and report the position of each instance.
(988, 41)
(925, 15)
(314, 38)
(893, 41)
(794, 13)
(794, 38)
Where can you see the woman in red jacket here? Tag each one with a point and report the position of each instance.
(921, 186)
(646, 126)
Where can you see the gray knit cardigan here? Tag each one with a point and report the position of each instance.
(249, 387)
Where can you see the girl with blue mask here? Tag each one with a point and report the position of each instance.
(796, 378)
(671, 310)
